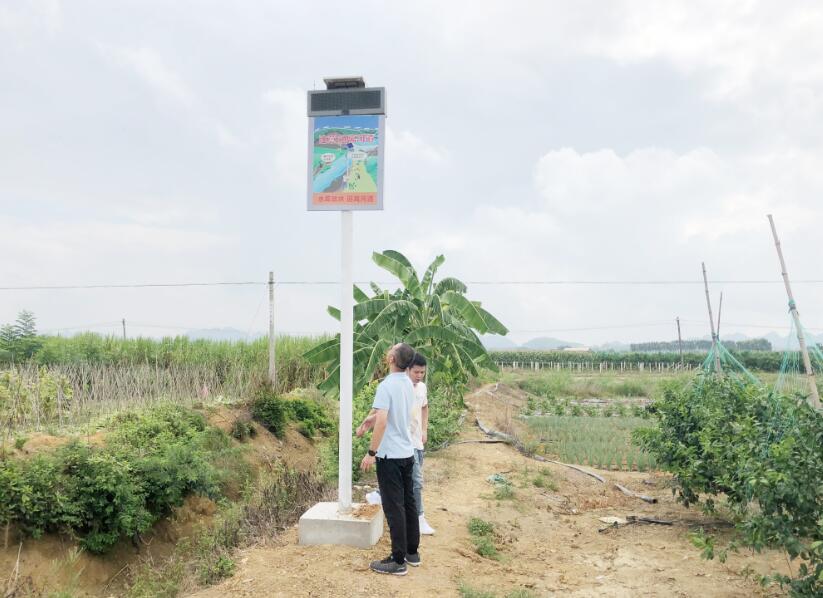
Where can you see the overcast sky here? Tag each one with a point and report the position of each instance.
(581, 140)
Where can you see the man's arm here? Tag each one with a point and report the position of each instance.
(425, 423)
(381, 417)
(367, 424)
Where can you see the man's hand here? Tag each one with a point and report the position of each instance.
(367, 462)
(425, 437)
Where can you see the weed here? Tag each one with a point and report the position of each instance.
(269, 410)
(480, 527)
(242, 429)
(20, 442)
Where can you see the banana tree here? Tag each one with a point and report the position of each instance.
(435, 318)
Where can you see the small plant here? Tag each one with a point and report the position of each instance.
(480, 527)
(220, 568)
(577, 410)
(269, 410)
(470, 592)
(242, 429)
(545, 480)
(503, 491)
(20, 442)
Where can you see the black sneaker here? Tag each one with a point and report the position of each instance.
(413, 559)
(388, 566)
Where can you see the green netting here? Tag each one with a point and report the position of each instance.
(729, 366)
(792, 379)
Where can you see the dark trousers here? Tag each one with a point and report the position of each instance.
(394, 476)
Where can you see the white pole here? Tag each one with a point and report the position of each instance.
(272, 362)
(346, 363)
(814, 396)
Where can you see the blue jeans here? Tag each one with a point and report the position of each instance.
(417, 480)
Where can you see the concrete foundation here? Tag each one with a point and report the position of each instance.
(323, 524)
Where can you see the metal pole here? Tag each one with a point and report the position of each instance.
(711, 320)
(272, 361)
(814, 396)
(124, 328)
(679, 340)
(346, 363)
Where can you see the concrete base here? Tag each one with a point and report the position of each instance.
(323, 524)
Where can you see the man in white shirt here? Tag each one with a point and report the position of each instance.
(419, 427)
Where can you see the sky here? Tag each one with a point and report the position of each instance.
(165, 142)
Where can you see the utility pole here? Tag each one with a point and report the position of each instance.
(679, 340)
(711, 321)
(124, 328)
(272, 362)
(814, 396)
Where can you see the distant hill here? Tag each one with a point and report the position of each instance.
(221, 334)
(494, 342)
(547, 343)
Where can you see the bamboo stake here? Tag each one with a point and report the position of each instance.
(719, 312)
(814, 396)
(679, 340)
(711, 321)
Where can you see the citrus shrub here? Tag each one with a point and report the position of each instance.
(758, 449)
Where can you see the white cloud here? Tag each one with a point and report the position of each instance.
(24, 19)
(288, 128)
(404, 147)
(158, 75)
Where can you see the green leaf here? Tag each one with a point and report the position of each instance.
(333, 312)
(398, 265)
(492, 324)
(359, 295)
(469, 312)
(389, 315)
(438, 333)
(369, 308)
(428, 277)
(449, 284)
(324, 352)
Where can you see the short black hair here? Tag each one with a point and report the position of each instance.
(403, 356)
(418, 361)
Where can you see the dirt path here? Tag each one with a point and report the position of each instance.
(548, 539)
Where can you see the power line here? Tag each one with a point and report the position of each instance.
(337, 282)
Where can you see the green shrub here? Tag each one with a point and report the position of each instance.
(309, 415)
(151, 460)
(758, 449)
(270, 411)
(480, 527)
(242, 429)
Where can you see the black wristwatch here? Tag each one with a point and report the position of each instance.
(372, 453)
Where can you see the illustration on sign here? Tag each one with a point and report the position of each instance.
(345, 162)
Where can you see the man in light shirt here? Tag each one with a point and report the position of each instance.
(419, 428)
(392, 451)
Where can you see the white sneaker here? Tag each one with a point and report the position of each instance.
(425, 528)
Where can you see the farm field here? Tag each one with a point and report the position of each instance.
(540, 536)
(241, 464)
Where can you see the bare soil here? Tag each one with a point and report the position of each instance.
(549, 540)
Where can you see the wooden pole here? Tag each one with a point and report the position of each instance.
(711, 321)
(679, 340)
(814, 396)
(272, 362)
(719, 311)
